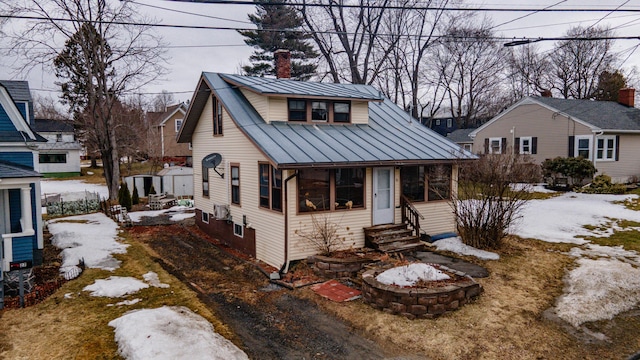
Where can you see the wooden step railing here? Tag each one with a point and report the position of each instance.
(410, 215)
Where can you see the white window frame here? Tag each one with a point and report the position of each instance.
(437, 122)
(522, 148)
(576, 152)
(499, 140)
(605, 139)
(238, 229)
(468, 147)
(178, 124)
(449, 123)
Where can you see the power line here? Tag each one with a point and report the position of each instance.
(189, 13)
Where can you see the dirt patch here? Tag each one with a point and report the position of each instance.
(270, 322)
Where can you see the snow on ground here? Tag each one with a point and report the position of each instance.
(115, 286)
(561, 219)
(531, 188)
(455, 244)
(409, 275)
(71, 190)
(170, 333)
(178, 213)
(91, 238)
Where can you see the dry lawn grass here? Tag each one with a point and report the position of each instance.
(77, 327)
(506, 321)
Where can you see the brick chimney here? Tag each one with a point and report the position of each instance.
(546, 93)
(283, 63)
(627, 97)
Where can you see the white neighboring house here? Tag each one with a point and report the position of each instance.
(60, 155)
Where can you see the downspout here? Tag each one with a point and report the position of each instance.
(285, 265)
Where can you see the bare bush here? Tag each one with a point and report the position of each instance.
(486, 203)
(323, 234)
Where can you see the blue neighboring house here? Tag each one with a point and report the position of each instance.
(20, 212)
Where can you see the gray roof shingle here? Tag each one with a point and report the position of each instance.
(390, 137)
(18, 89)
(460, 135)
(605, 115)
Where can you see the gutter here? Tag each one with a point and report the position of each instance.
(285, 265)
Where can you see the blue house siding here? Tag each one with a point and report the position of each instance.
(24, 158)
(22, 249)
(5, 122)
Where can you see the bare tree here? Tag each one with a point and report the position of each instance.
(162, 101)
(48, 108)
(470, 66)
(576, 64)
(107, 52)
(529, 72)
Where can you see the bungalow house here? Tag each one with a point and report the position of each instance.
(60, 155)
(167, 125)
(20, 219)
(274, 156)
(605, 132)
(461, 137)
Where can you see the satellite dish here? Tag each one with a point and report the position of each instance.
(211, 161)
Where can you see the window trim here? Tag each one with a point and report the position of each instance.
(235, 166)
(203, 216)
(589, 147)
(270, 187)
(491, 140)
(605, 139)
(217, 116)
(468, 147)
(449, 123)
(178, 121)
(333, 193)
(240, 226)
(330, 111)
(521, 145)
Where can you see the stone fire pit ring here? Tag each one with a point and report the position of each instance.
(419, 303)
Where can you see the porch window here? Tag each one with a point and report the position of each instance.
(53, 158)
(439, 182)
(606, 148)
(205, 181)
(325, 189)
(270, 183)
(235, 184)
(426, 182)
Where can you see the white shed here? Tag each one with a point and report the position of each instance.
(143, 184)
(177, 180)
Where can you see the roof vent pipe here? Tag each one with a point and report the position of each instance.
(282, 60)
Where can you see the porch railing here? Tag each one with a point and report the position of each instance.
(410, 215)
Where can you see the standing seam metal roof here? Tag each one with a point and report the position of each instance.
(391, 137)
(11, 171)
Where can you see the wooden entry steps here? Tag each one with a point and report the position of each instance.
(392, 238)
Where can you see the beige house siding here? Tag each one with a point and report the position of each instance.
(171, 147)
(259, 102)
(551, 129)
(236, 148)
(359, 112)
(628, 165)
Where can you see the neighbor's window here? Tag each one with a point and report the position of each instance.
(217, 116)
(53, 158)
(449, 123)
(525, 145)
(324, 189)
(270, 183)
(319, 111)
(583, 146)
(468, 147)
(178, 124)
(412, 178)
(235, 184)
(205, 181)
(341, 112)
(58, 137)
(495, 145)
(606, 148)
(439, 182)
(297, 110)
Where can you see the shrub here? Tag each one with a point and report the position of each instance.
(602, 185)
(486, 204)
(152, 190)
(575, 170)
(124, 196)
(135, 198)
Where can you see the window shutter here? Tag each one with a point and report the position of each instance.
(572, 146)
(516, 146)
(504, 146)
(617, 147)
(486, 145)
(534, 145)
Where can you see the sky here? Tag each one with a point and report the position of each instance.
(192, 51)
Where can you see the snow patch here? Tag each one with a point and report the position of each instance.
(153, 280)
(455, 244)
(409, 275)
(115, 286)
(171, 333)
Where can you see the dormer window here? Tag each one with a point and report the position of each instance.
(318, 111)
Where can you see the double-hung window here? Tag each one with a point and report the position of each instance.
(525, 145)
(606, 147)
(270, 187)
(235, 184)
(495, 145)
(297, 110)
(319, 111)
(217, 116)
(583, 146)
(178, 124)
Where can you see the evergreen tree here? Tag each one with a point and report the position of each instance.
(609, 85)
(152, 190)
(278, 27)
(135, 198)
(126, 196)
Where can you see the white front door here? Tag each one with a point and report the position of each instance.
(383, 195)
